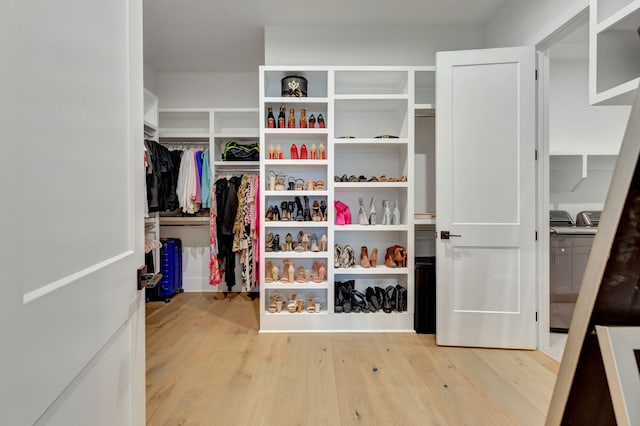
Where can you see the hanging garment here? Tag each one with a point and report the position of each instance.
(205, 181)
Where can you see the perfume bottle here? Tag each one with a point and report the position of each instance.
(271, 121)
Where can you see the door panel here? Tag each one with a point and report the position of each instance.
(73, 105)
(485, 146)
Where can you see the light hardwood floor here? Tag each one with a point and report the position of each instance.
(208, 365)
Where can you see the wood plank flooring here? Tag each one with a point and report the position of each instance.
(208, 365)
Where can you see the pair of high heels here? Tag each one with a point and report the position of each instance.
(366, 260)
(275, 153)
(316, 153)
(312, 121)
(363, 218)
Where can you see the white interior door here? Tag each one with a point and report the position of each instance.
(72, 334)
(485, 198)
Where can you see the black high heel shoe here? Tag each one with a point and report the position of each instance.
(312, 121)
(321, 121)
(276, 214)
(276, 243)
(269, 215)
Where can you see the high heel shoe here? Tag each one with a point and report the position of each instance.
(276, 244)
(299, 246)
(294, 152)
(314, 243)
(323, 210)
(285, 271)
(373, 257)
(268, 277)
(372, 211)
(292, 206)
(364, 257)
(272, 152)
(303, 151)
(284, 213)
(279, 154)
(316, 212)
(268, 245)
(314, 153)
(303, 118)
(276, 214)
(389, 258)
(322, 153)
(386, 213)
(395, 216)
(288, 242)
(312, 121)
(323, 243)
(362, 217)
(321, 121)
(269, 214)
(300, 275)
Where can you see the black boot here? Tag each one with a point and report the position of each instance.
(284, 214)
(276, 243)
(338, 308)
(292, 205)
(307, 210)
(299, 214)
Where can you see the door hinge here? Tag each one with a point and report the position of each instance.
(536, 154)
(536, 75)
(536, 235)
(536, 316)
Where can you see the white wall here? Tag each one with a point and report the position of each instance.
(574, 125)
(150, 78)
(525, 22)
(207, 89)
(366, 45)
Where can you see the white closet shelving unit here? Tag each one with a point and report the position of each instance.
(361, 103)
(151, 220)
(207, 128)
(614, 62)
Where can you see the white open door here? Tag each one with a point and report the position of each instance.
(72, 321)
(485, 198)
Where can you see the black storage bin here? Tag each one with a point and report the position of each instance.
(425, 288)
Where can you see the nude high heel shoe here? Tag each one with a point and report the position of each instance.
(364, 258)
(373, 257)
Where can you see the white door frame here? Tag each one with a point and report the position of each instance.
(559, 30)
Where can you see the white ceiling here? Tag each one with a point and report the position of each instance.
(216, 35)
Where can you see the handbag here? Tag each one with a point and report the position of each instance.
(233, 151)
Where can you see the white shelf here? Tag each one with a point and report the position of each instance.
(371, 185)
(296, 163)
(285, 312)
(295, 254)
(627, 18)
(240, 135)
(362, 102)
(369, 141)
(293, 100)
(378, 270)
(418, 221)
(296, 193)
(297, 131)
(620, 95)
(427, 107)
(237, 164)
(371, 228)
(294, 224)
(174, 133)
(371, 97)
(170, 221)
(279, 285)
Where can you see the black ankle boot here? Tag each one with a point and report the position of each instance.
(383, 300)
